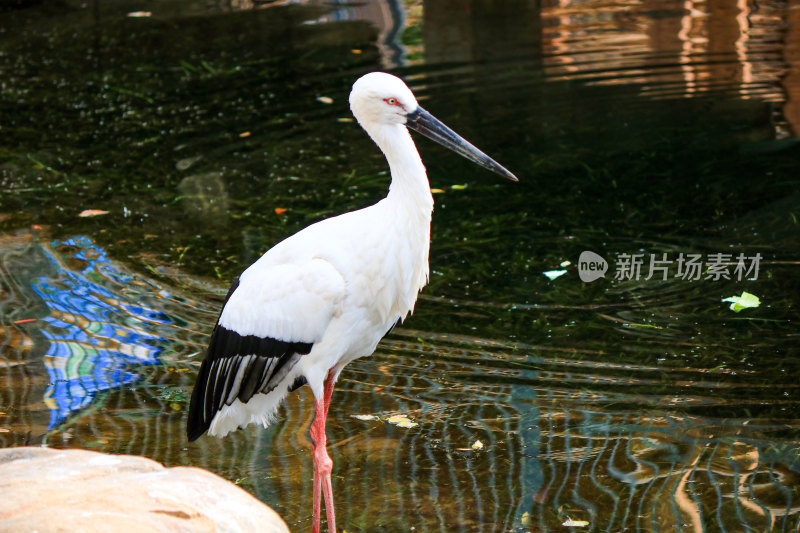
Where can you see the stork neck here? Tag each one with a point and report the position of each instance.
(409, 180)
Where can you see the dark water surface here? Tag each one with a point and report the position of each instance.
(209, 131)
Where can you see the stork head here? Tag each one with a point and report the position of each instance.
(380, 99)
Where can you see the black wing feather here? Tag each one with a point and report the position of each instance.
(264, 359)
(252, 378)
(227, 397)
(299, 381)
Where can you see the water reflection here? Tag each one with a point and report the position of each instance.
(94, 334)
(562, 437)
(671, 49)
(662, 49)
(90, 335)
(554, 452)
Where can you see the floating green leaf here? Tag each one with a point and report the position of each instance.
(744, 301)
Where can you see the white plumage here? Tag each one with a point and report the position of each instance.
(327, 295)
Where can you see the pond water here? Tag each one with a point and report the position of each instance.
(661, 136)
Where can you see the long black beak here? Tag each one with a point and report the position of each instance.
(423, 122)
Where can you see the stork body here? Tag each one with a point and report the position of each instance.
(327, 295)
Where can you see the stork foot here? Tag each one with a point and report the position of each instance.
(323, 466)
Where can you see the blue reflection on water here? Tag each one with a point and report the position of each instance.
(94, 333)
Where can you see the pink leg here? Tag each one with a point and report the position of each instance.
(322, 462)
(329, 391)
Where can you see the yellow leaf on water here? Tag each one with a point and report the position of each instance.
(437, 191)
(526, 517)
(478, 445)
(366, 417)
(401, 421)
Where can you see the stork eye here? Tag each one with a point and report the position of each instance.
(391, 101)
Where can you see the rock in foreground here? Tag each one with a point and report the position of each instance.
(49, 490)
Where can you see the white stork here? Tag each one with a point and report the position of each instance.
(326, 295)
